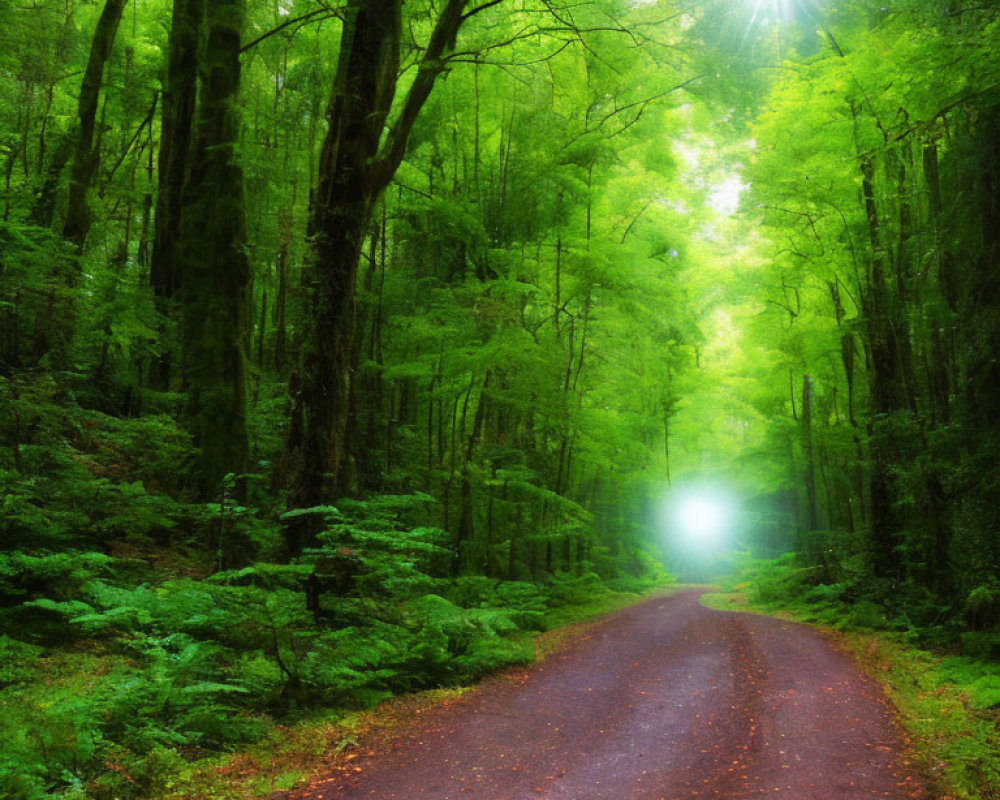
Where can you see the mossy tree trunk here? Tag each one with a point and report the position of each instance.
(87, 156)
(356, 164)
(885, 387)
(215, 270)
(180, 94)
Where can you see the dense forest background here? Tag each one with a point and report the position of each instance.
(342, 343)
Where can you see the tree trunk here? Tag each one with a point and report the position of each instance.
(180, 93)
(215, 273)
(885, 390)
(941, 372)
(143, 250)
(43, 209)
(281, 302)
(904, 300)
(363, 91)
(86, 157)
(809, 465)
(466, 544)
(353, 171)
(262, 330)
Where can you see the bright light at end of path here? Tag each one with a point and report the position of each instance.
(699, 520)
(700, 516)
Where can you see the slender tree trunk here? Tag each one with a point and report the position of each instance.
(452, 468)
(44, 127)
(262, 330)
(43, 209)
(281, 301)
(466, 545)
(489, 559)
(903, 302)
(87, 156)
(557, 313)
(514, 548)
(143, 250)
(809, 465)
(791, 395)
(8, 175)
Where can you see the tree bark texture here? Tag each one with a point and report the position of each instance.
(180, 94)
(86, 157)
(885, 389)
(215, 271)
(353, 171)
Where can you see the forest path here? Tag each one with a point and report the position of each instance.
(666, 700)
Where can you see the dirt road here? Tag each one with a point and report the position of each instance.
(667, 700)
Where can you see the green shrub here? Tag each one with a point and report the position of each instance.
(569, 590)
(260, 675)
(54, 739)
(985, 692)
(982, 606)
(152, 450)
(826, 593)
(128, 774)
(17, 661)
(782, 581)
(177, 699)
(981, 644)
(866, 614)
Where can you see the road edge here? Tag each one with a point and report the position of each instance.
(311, 751)
(891, 665)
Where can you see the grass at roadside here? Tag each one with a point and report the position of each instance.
(948, 705)
(287, 755)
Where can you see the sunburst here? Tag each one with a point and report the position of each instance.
(769, 13)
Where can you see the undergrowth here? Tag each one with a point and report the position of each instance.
(146, 637)
(946, 692)
(114, 690)
(326, 741)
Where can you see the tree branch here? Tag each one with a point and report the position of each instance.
(477, 9)
(534, 61)
(128, 148)
(325, 11)
(431, 66)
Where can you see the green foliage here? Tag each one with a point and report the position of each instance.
(75, 479)
(982, 607)
(16, 661)
(981, 645)
(35, 272)
(556, 318)
(200, 660)
(382, 554)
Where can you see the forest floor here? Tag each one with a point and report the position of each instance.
(666, 700)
